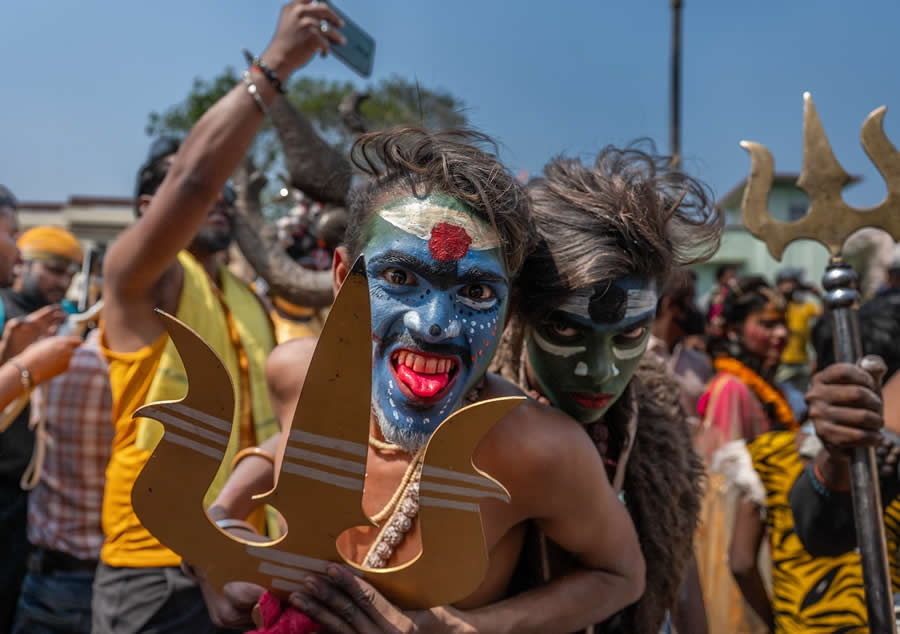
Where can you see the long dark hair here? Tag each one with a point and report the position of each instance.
(629, 213)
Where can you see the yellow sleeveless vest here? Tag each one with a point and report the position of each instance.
(242, 335)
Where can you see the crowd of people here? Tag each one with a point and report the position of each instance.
(680, 463)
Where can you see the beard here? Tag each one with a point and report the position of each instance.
(211, 240)
(31, 291)
(407, 439)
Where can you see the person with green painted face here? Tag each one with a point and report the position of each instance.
(609, 236)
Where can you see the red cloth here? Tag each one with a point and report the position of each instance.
(283, 619)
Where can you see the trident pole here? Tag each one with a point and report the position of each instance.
(831, 221)
(842, 299)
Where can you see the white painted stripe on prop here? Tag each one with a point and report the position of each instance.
(425, 500)
(174, 421)
(295, 574)
(448, 474)
(292, 560)
(461, 491)
(641, 301)
(203, 417)
(354, 484)
(206, 450)
(287, 586)
(346, 446)
(318, 458)
(552, 348)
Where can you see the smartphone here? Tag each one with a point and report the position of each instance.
(359, 51)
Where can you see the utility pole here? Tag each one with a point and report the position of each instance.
(675, 80)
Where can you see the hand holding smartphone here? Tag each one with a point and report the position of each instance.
(359, 51)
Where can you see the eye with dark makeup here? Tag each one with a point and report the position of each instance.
(398, 277)
(560, 330)
(479, 296)
(631, 337)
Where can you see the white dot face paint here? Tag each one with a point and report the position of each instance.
(453, 329)
(581, 369)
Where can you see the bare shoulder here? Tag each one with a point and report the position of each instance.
(286, 368)
(527, 446)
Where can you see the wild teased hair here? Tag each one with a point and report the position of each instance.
(628, 214)
(450, 162)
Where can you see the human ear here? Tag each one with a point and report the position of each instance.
(143, 203)
(340, 268)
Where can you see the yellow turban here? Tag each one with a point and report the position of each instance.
(42, 243)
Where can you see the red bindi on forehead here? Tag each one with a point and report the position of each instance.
(448, 243)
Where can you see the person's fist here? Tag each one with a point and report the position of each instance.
(303, 29)
(845, 406)
(48, 357)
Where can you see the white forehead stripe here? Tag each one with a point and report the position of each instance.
(577, 305)
(552, 348)
(640, 301)
(418, 218)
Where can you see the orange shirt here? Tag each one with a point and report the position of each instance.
(128, 543)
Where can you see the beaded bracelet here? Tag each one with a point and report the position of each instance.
(254, 92)
(257, 63)
(817, 485)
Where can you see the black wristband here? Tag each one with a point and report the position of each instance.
(265, 70)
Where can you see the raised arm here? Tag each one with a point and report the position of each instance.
(144, 253)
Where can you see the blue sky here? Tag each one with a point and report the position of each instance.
(540, 77)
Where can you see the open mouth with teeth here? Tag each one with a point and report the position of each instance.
(424, 377)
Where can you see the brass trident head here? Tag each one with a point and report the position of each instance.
(830, 220)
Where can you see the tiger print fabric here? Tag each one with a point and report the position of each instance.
(810, 594)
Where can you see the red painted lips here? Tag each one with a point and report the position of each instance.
(423, 376)
(591, 401)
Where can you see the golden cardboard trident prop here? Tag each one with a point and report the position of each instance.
(831, 221)
(319, 472)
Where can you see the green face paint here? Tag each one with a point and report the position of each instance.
(584, 354)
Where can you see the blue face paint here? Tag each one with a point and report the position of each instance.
(439, 293)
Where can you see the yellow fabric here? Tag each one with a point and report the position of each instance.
(810, 595)
(49, 241)
(156, 373)
(287, 328)
(799, 323)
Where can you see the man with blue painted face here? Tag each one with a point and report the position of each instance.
(609, 237)
(444, 230)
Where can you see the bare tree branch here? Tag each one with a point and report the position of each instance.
(316, 168)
